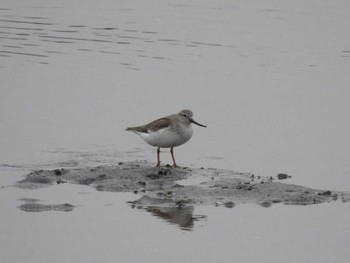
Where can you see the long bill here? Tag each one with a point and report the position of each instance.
(193, 121)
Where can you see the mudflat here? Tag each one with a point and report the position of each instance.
(182, 187)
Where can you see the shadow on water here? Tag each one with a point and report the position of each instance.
(180, 216)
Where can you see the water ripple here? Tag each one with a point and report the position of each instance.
(43, 37)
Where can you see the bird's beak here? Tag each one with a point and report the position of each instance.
(193, 121)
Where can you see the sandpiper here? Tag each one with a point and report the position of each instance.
(167, 132)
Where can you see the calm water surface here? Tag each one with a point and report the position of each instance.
(270, 79)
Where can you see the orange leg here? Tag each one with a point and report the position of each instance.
(172, 156)
(158, 159)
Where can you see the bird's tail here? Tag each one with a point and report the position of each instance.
(141, 129)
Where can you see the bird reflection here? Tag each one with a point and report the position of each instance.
(181, 216)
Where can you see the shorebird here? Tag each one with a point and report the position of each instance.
(167, 132)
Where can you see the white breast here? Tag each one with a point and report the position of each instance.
(166, 138)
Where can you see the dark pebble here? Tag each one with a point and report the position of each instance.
(229, 204)
(282, 176)
(266, 204)
(276, 201)
(163, 172)
(59, 181)
(58, 172)
(179, 204)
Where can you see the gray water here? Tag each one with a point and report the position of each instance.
(269, 78)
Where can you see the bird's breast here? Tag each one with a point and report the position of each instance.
(168, 137)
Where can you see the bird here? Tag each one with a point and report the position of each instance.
(167, 132)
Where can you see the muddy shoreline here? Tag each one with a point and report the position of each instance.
(180, 187)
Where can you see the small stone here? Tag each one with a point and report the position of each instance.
(59, 181)
(276, 201)
(180, 203)
(282, 176)
(266, 204)
(229, 204)
(58, 172)
(335, 196)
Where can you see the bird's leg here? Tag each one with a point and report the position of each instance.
(172, 155)
(158, 159)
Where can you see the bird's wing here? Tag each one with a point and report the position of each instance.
(152, 126)
(159, 124)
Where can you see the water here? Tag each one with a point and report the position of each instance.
(270, 79)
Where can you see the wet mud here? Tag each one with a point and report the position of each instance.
(163, 191)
